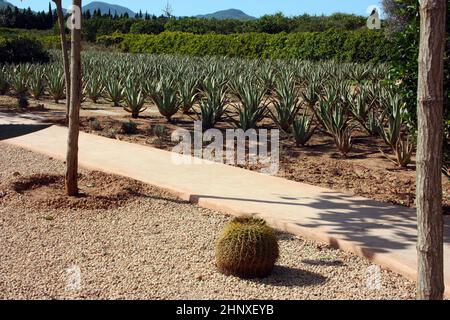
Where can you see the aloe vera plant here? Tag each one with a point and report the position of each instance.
(134, 99)
(56, 84)
(188, 94)
(166, 98)
(252, 106)
(94, 88)
(393, 109)
(36, 84)
(213, 105)
(114, 91)
(403, 152)
(4, 83)
(286, 105)
(19, 81)
(302, 130)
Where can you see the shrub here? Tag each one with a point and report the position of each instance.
(95, 125)
(129, 127)
(159, 131)
(22, 50)
(247, 248)
(348, 46)
(22, 102)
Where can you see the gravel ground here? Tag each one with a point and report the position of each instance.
(152, 247)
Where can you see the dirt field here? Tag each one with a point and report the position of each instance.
(365, 172)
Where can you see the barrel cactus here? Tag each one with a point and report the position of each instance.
(247, 248)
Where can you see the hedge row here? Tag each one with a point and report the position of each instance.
(22, 50)
(348, 46)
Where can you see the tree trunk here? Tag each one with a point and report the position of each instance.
(75, 102)
(65, 50)
(430, 98)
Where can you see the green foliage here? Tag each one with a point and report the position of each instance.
(405, 30)
(22, 50)
(213, 102)
(247, 248)
(350, 46)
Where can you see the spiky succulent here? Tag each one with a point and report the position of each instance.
(134, 99)
(166, 98)
(56, 84)
(286, 104)
(302, 130)
(247, 248)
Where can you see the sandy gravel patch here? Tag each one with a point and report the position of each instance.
(151, 246)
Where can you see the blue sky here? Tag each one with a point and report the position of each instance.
(252, 7)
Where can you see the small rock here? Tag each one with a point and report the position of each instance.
(16, 174)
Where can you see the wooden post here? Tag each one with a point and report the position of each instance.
(430, 99)
(65, 53)
(75, 102)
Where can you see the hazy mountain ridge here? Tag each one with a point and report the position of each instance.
(4, 4)
(107, 7)
(227, 14)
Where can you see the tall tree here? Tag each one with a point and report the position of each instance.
(430, 100)
(75, 102)
(65, 53)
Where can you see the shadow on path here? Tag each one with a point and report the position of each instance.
(8, 131)
(374, 226)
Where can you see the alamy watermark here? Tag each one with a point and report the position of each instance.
(373, 278)
(73, 278)
(74, 21)
(211, 145)
(374, 20)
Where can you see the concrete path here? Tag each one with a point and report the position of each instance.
(383, 233)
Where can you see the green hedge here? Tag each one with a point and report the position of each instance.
(350, 46)
(22, 50)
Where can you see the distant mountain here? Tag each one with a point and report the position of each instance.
(4, 4)
(106, 7)
(227, 14)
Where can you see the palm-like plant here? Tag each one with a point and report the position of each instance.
(134, 99)
(166, 98)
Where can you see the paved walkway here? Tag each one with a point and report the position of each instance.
(383, 233)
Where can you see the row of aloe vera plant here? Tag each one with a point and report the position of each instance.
(298, 97)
